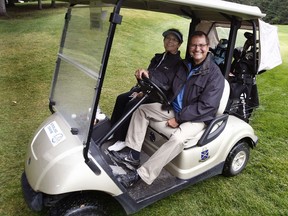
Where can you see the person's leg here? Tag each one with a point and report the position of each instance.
(140, 121)
(121, 132)
(119, 106)
(149, 171)
(136, 133)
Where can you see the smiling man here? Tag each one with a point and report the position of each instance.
(196, 92)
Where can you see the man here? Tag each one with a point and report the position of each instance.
(197, 89)
(162, 71)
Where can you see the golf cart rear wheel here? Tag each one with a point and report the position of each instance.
(237, 159)
(78, 206)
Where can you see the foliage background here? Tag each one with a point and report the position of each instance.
(277, 11)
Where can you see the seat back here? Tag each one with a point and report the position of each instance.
(224, 99)
(217, 125)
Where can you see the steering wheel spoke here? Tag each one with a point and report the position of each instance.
(148, 86)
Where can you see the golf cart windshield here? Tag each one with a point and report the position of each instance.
(79, 65)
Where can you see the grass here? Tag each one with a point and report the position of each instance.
(29, 43)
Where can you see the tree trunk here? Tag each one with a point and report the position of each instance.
(39, 4)
(3, 8)
(53, 4)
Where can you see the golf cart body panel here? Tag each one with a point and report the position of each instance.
(68, 153)
(49, 160)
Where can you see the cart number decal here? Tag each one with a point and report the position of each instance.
(204, 155)
(54, 133)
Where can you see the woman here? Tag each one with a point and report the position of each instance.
(161, 70)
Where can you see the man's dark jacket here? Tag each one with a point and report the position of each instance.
(202, 93)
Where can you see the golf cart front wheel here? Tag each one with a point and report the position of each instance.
(78, 206)
(237, 159)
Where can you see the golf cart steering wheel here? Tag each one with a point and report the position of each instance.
(148, 86)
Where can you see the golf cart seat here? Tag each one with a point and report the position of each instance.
(209, 133)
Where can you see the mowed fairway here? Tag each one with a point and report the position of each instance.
(29, 42)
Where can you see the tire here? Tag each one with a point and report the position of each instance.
(79, 205)
(237, 159)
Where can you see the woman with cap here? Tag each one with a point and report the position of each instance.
(161, 70)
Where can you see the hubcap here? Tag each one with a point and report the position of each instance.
(239, 161)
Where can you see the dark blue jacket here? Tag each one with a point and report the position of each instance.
(202, 93)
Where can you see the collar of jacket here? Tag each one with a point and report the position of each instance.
(159, 55)
(204, 66)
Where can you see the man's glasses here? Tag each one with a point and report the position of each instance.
(201, 46)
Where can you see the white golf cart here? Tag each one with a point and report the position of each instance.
(68, 167)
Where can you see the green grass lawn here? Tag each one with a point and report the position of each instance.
(29, 42)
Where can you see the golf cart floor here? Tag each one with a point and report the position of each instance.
(141, 190)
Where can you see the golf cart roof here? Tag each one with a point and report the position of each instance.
(214, 10)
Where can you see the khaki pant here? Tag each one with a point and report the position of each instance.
(169, 150)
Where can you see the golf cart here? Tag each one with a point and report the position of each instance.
(68, 167)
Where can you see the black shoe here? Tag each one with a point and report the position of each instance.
(127, 159)
(129, 179)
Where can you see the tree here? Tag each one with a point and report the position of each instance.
(2, 8)
(275, 10)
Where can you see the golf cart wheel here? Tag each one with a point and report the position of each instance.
(237, 159)
(79, 206)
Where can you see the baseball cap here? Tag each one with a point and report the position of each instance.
(175, 32)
